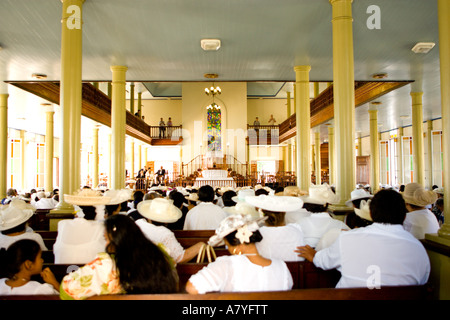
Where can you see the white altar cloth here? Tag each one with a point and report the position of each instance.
(215, 174)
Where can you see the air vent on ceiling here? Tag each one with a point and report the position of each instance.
(423, 47)
(210, 44)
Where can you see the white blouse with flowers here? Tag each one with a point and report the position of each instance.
(95, 278)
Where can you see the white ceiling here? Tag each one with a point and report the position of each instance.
(262, 40)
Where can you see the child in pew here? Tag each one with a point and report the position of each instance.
(20, 262)
(245, 269)
(381, 254)
(130, 264)
(14, 224)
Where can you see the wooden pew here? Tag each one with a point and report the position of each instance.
(384, 293)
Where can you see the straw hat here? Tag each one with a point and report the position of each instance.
(321, 194)
(159, 209)
(21, 204)
(192, 197)
(245, 224)
(357, 194)
(294, 191)
(242, 208)
(364, 210)
(118, 196)
(12, 216)
(242, 194)
(275, 203)
(87, 197)
(416, 195)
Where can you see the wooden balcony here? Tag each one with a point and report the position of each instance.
(165, 135)
(262, 135)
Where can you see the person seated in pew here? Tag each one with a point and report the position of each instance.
(14, 218)
(21, 261)
(119, 201)
(130, 263)
(79, 240)
(245, 269)
(352, 219)
(381, 254)
(279, 239)
(180, 202)
(205, 215)
(319, 221)
(156, 214)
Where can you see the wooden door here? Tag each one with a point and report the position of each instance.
(363, 170)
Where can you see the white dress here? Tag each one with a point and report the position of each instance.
(30, 288)
(376, 255)
(237, 274)
(204, 216)
(280, 242)
(161, 234)
(421, 222)
(317, 224)
(79, 241)
(6, 241)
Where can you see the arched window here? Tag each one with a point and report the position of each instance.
(214, 118)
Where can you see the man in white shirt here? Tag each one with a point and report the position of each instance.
(205, 215)
(382, 254)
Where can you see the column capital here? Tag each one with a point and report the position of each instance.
(119, 68)
(302, 68)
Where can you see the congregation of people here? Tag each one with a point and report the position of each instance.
(125, 239)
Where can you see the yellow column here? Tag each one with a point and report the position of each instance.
(289, 149)
(400, 156)
(140, 166)
(139, 104)
(132, 159)
(95, 157)
(344, 98)
(49, 138)
(417, 135)
(132, 98)
(444, 54)
(70, 99)
(288, 104)
(331, 157)
(359, 143)
(118, 122)
(23, 173)
(302, 110)
(318, 167)
(429, 154)
(374, 152)
(109, 161)
(3, 144)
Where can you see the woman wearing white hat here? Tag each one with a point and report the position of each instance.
(279, 239)
(319, 222)
(419, 220)
(13, 224)
(156, 214)
(245, 269)
(79, 240)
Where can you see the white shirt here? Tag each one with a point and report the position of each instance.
(6, 241)
(317, 224)
(376, 255)
(280, 242)
(161, 234)
(237, 273)
(204, 216)
(30, 288)
(79, 241)
(421, 222)
(295, 216)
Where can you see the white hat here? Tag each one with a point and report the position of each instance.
(87, 197)
(118, 196)
(293, 191)
(416, 195)
(439, 190)
(242, 208)
(242, 194)
(192, 196)
(321, 194)
(21, 204)
(159, 209)
(275, 203)
(222, 190)
(246, 223)
(364, 210)
(11, 217)
(357, 194)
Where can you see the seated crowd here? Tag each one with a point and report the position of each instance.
(125, 241)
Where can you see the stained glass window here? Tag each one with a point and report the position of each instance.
(214, 128)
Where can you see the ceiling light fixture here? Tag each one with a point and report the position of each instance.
(380, 75)
(423, 47)
(210, 44)
(213, 91)
(39, 76)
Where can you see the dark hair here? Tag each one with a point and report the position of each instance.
(274, 219)
(226, 198)
(110, 208)
(89, 212)
(388, 206)
(138, 196)
(178, 198)
(232, 240)
(206, 194)
(357, 202)
(315, 207)
(143, 267)
(261, 191)
(16, 254)
(20, 228)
